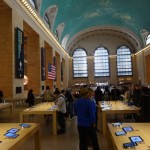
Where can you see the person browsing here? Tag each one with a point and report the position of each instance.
(60, 102)
(85, 112)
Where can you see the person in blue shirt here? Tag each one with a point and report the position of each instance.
(85, 112)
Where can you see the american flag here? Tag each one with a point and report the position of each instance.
(51, 71)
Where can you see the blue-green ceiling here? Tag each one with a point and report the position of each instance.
(82, 14)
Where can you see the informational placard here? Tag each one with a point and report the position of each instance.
(43, 73)
(19, 39)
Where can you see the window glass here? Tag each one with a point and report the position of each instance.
(33, 3)
(124, 62)
(64, 41)
(148, 40)
(46, 19)
(101, 62)
(80, 63)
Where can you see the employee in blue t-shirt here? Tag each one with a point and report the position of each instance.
(85, 112)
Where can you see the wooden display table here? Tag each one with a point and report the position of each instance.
(5, 105)
(24, 134)
(41, 109)
(114, 107)
(140, 129)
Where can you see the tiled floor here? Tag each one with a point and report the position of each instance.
(67, 141)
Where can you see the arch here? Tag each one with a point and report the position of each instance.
(36, 4)
(59, 30)
(112, 30)
(46, 20)
(51, 13)
(144, 35)
(64, 41)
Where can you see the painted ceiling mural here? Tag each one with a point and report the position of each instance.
(78, 15)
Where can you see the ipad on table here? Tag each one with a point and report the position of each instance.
(129, 145)
(25, 125)
(117, 124)
(13, 130)
(127, 129)
(10, 135)
(120, 133)
(136, 139)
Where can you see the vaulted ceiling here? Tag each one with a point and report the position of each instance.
(78, 15)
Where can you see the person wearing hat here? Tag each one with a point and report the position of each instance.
(85, 112)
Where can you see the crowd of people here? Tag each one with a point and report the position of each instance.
(83, 104)
(128, 93)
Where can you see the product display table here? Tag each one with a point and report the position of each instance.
(42, 109)
(23, 135)
(139, 129)
(114, 107)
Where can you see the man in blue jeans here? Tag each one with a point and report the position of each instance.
(85, 112)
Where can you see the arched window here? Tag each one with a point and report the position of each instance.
(101, 62)
(59, 30)
(80, 63)
(33, 3)
(51, 13)
(36, 4)
(145, 36)
(124, 62)
(148, 40)
(46, 19)
(64, 41)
